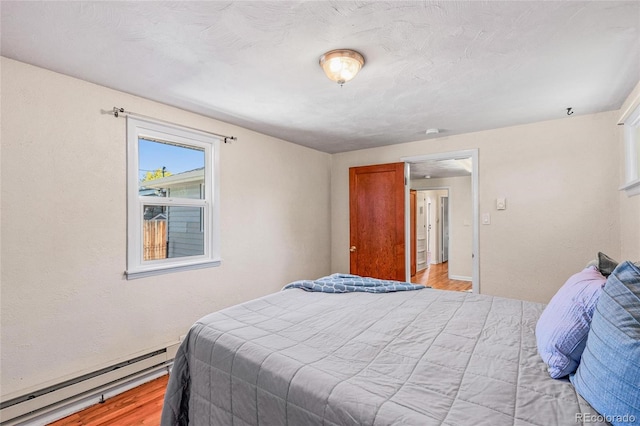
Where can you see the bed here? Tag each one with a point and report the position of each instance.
(426, 357)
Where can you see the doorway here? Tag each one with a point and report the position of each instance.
(456, 248)
(428, 229)
(432, 246)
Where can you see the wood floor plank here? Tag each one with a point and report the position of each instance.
(437, 276)
(139, 406)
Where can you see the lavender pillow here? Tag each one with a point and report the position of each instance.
(561, 331)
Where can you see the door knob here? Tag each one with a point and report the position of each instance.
(352, 249)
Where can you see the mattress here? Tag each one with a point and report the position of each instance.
(426, 357)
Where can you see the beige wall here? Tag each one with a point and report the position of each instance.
(560, 179)
(460, 229)
(65, 306)
(629, 206)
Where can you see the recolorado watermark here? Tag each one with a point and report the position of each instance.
(597, 418)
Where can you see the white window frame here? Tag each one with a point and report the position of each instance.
(137, 267)
(631, 122)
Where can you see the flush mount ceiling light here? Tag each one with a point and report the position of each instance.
(341, 65)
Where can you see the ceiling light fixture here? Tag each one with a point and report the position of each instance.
(341, 65)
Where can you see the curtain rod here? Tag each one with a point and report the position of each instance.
(117, 111)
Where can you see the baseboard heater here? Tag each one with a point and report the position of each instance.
(64, 391)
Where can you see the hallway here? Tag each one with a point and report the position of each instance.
(437, 276)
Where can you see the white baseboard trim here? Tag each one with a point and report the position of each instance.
(460, 278)
(66, 408)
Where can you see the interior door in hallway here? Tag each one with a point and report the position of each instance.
(376, 221)
(413, 198)
(444, 220)
(421, 231)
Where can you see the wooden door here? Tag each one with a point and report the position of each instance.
(413, 215)
(376, 221)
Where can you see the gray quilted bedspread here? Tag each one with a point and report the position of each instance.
(424, 357)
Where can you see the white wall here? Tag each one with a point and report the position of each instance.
(65, 306)
(560, 179)
(460, 226)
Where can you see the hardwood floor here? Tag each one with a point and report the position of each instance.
(139, 406)
(437, 276)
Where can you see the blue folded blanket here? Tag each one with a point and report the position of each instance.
(346, 283)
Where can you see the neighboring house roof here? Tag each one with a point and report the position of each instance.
(191, 176)
(161, 216)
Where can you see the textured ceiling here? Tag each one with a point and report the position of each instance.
(440, 168)
(457, 66)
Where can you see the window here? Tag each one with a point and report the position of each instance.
(632, 152)
(172, 200)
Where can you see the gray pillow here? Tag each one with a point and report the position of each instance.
(606, 265)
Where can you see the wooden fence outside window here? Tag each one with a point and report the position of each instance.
(155, 239)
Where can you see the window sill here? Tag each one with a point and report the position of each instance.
(631, 188)
(132, 275)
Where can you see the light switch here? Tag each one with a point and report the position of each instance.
(486, 219)
(501, 204)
